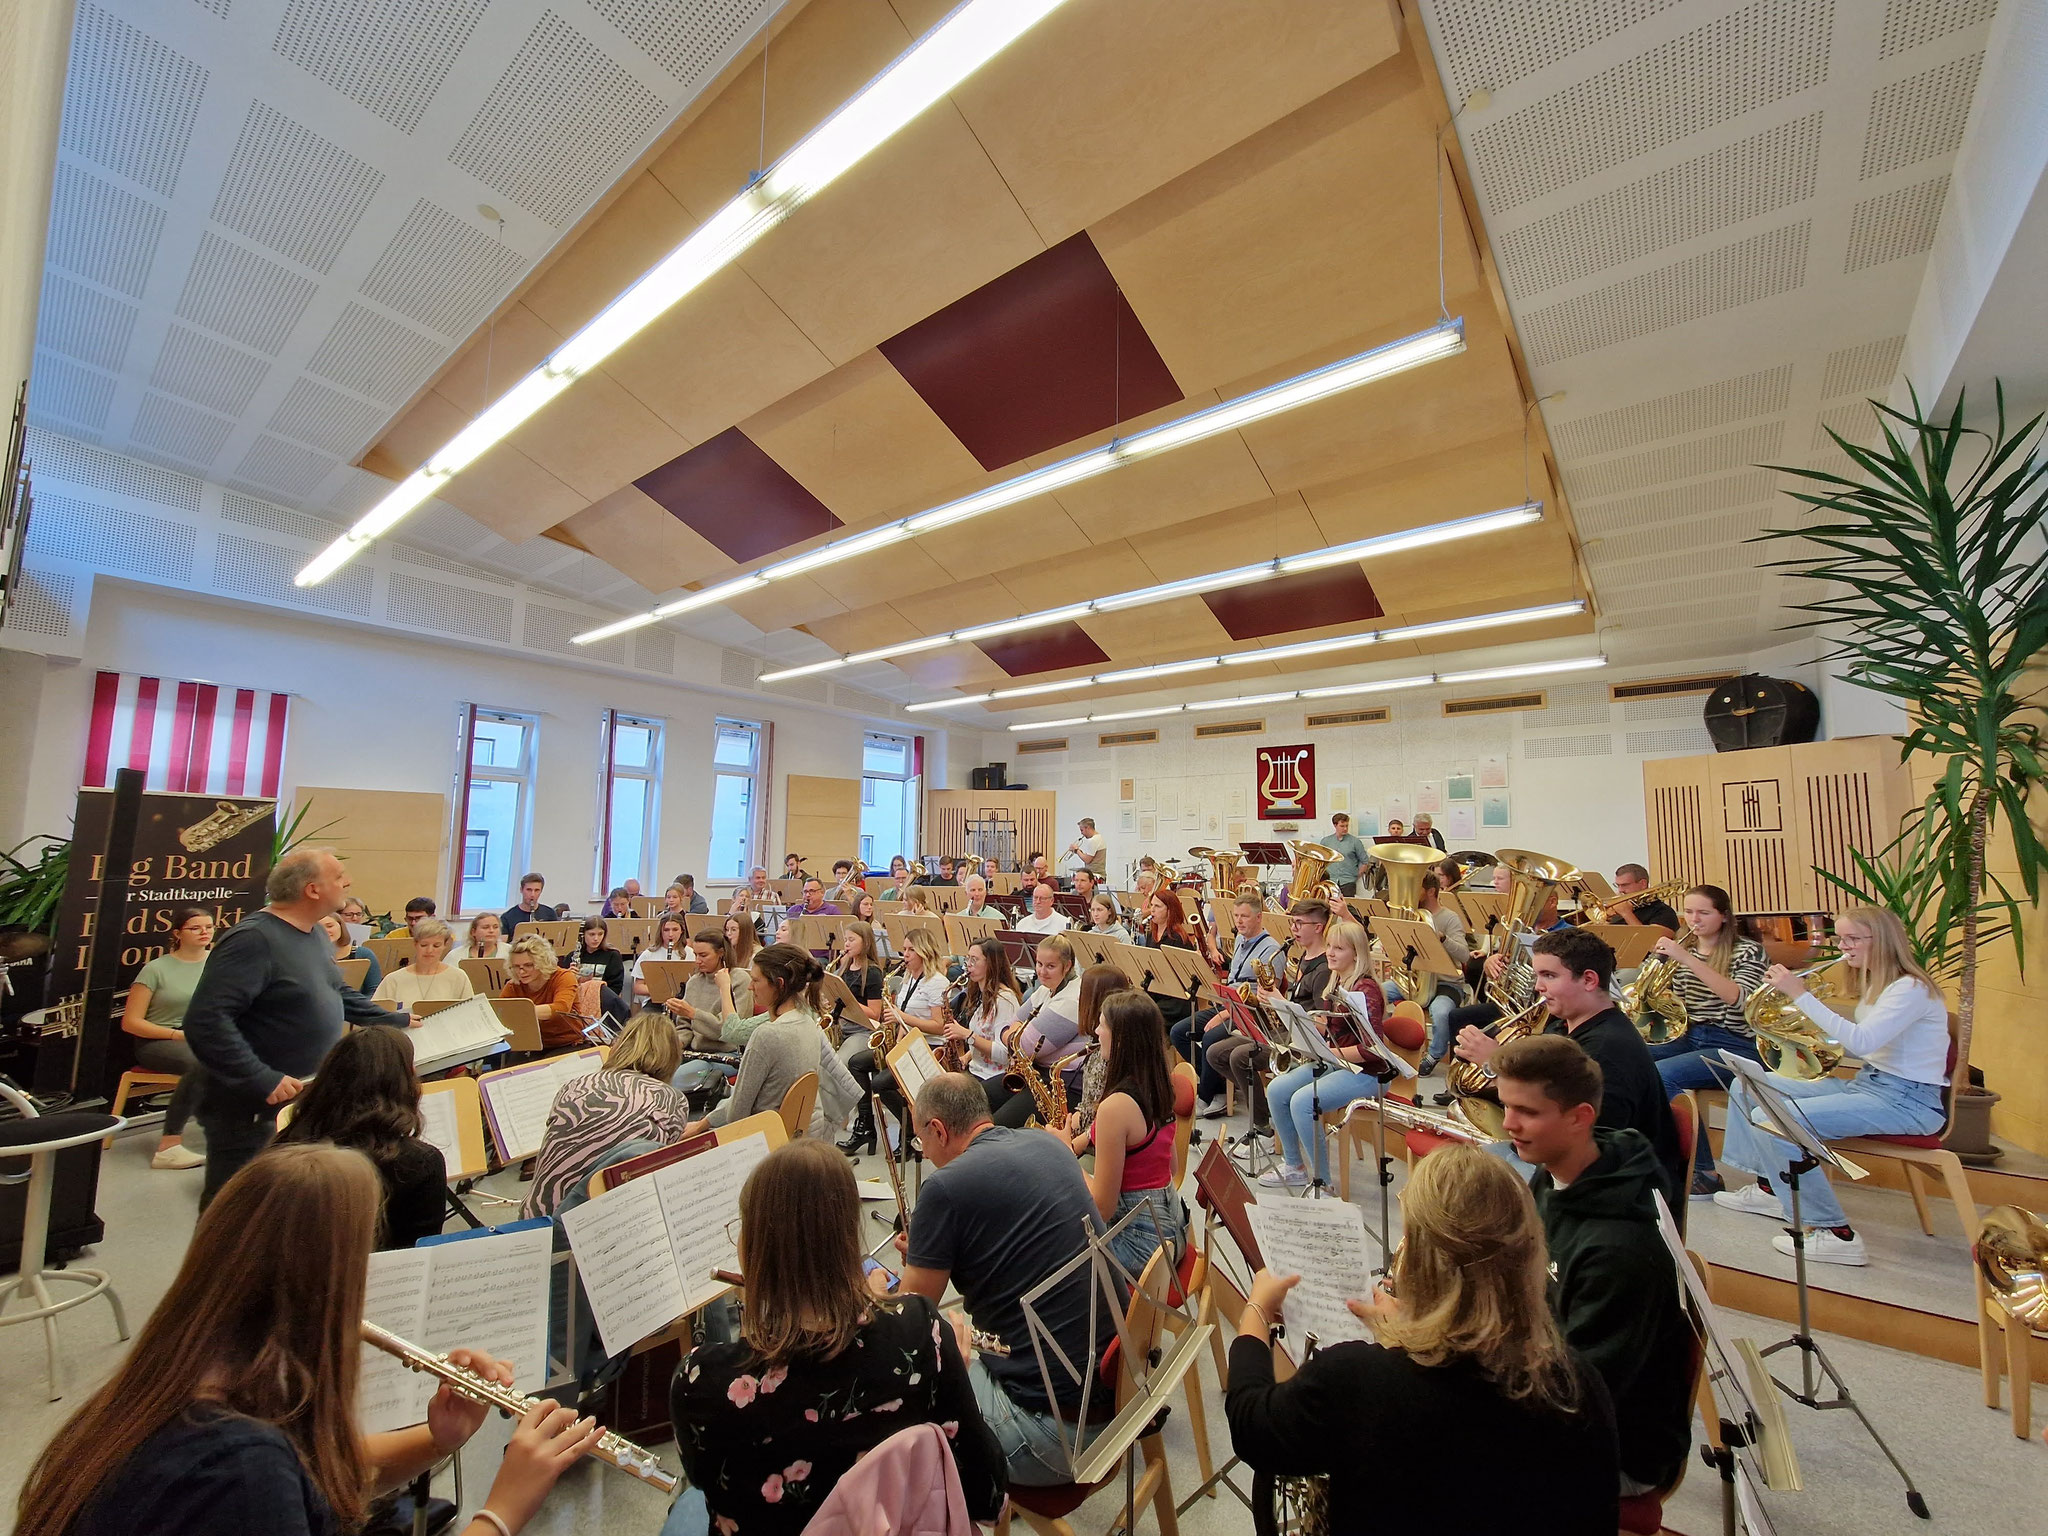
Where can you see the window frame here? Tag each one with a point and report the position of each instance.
(756, 775)
(911, 793)
(609, 772)
(467, 773)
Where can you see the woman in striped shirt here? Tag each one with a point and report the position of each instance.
(627, 1099)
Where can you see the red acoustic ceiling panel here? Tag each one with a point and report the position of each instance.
(733, 494)
(1044, 354)
(1051, 649)
(1310, 600)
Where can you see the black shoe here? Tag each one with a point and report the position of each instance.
(1706, 1185)
(863, 1137)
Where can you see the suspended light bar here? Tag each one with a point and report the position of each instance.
(1271, 653)
(967, 39)
(1445, 339)
(1216, 581)
(1342, 690)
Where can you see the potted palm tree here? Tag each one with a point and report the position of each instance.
(1930, 577)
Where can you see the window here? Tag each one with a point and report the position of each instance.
(494, 800)
(888, 798)
(629, 800)
(736, 762)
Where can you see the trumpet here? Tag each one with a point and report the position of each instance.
(612, 1448)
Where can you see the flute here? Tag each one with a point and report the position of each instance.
(611, 1447)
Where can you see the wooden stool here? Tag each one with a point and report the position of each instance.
(141, 1084)
(2017, 1353)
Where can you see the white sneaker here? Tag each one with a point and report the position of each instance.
(1751, 1200)
(1210, 1109)
(1823, 1247)
(1284, 1178)
(178, 1156)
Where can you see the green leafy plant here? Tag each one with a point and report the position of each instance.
(292, 831)
(1930, 575)
(31, 887)
(1906, 878)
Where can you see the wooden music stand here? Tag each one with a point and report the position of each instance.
(469, 1124)
(962, 931)
(1140, 965)
(1480, 909)
(814, 933)
(1091, 949)
(701, 924)
(839, 1002)
(666, 978)
(902, 925)
(1631, 943)
(643, 906)
(628, 935)
(1594, 884)
(519, 1015)
(1366, 908)
(1275, 923)
(486, 977)
(353, 972)
(392, 954)
(1399, 936)
(787, 892)
(1187, 974)
(561, 936)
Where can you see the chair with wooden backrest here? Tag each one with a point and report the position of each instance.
(1045, 1510)
(798, 1103)
(1993, 1318)
(1918, 1155)
(137, 1081)
(353, 972)
(1685, 1112)
(767, 1123)
(486, 977)
(1406, 1029)
(1183, 1124)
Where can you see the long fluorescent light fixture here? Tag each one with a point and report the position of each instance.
(1278, 653)
(1217, 581)
(1343, 690)
(939, 61)
(1445, 339)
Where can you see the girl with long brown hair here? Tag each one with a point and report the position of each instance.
(1467, 1352)
(366, 1096)
(1097, 983)
(1133, 1129)
(824, 1369)
(234, 1412)
(782, 1042)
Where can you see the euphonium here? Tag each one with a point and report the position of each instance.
(1478, 1100)
(2012, 1255)
(1653, 1004)
(1787, 1041)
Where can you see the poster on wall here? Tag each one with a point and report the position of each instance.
(1169, 803)
(1493, 809)
(1240, 805)
(1190, 816)
(1147, 793)
(1286, 780)
(1233, 832)
(1493, 774)
(1458, 785)
(1461, 823)
(1127, 790)
(1365, 822)
(1148, 827)
(1429, 797)
(1397, 808)
(1127, 821)
(1340, 798)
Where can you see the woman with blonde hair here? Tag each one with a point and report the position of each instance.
(1051, 1037)
(1899, 1029)
(1298, 1099)
(629, 1098)
(1466, 1353)
(486, 940)
(824, 1370)
(430, 978)
(235, 1409)
(551, 988)
(914, 999)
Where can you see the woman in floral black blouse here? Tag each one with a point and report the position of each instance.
(823, 1370)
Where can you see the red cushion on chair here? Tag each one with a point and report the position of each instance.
(1644, 1514)
(1404, 1030)
(1905, 1141)
(1422, 1143)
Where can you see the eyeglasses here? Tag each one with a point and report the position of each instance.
(732, 1233)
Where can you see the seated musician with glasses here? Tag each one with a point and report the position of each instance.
(1227, 1055)
(1301, 1097)
(1250, 943)
(1466, 1354)
(1630, 879)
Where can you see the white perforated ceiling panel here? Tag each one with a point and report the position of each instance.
(291, 191)
(389, 56)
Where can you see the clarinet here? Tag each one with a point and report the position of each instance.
(611, 1447)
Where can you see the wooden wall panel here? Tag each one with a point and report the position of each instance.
(1676, 839)
(1033, 813)
(821, 819)
(392, 840)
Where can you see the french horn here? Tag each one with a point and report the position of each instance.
(1788, 1043)
(2012, 1256)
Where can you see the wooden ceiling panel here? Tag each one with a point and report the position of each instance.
(722, 354)
(787, 604)
(484, 369)
(883, 576)
(511, 495)
(1101, 102)
(595, 437)
(862, 441)
(632, 533)
(1158, 492)
(1259, 530)
(1060, 579)
(958, 666)
(624, 242)
(1181, 627)
(1321, 226)
(1479, 477)
(1032, 530)
(1514, 569)
(899, 236)
(409, 440)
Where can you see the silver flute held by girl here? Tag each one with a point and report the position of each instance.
(613, 1448)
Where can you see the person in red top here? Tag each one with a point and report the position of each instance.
(1133, 1128)
(552, 991)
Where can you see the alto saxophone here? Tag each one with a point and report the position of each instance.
(1048, 1090)
(612, 1448)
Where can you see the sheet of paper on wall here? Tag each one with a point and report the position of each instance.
(471, 1024)
(486, 1292)
(1340, 798)
(1324, 1242)
(1148, 828)
(1493, 772)
(1429, 797)
(1460, 823)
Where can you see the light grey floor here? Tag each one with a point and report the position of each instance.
(1976, 1474)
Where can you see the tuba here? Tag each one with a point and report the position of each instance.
(1787, 1041)
(1311, 860)
(1653, 1003)
(1404, 866)
(1222, 869)
(2012, 1255)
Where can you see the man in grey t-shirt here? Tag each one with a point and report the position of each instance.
(1351, 855)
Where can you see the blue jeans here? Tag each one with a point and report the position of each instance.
(1440, 1007)
(1298, 1097)
(1134, 1246)
(1030, 1439)
(1873, 1103)
(1694, 1061)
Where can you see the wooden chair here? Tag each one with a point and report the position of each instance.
(1183, 1125)
(1407, 1031)
(391, 954)
(798, 1103)
(353, 972)
(768, 1123)
(1045, 1510)
(1993, 1318)
(1921, 1155)
(137, 1082)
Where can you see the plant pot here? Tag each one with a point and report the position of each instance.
(1969, 1133)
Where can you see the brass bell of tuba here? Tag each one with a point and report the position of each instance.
(1223, 864)
(1311, 862)
(1404, 866)
(2012, 1255)
(1787, 1041)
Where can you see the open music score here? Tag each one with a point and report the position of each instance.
(479, 1291)
(517, 1100)
(648, 1250)
(1324, 1242)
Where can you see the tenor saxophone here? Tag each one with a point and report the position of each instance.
(612, 1448)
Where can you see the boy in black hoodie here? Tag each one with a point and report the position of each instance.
(1612, 1284)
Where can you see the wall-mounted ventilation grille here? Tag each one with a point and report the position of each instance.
(1684, 706)
(63, 458)
(441, 272)
(1378, 715)
(375, 356)
(255, 569)
(1229, 728)
(243, 296)
(1499, 704)
(237, 508)
(1595, 744)
(1921, 116)
(111, 540)
(686, 40)
(59, 387)
(1724, 278)
(129, 100)
(83, 323)
(421, 604)
(1910, 23)
(207, 372)
(1668, 743)
(1853, 370)
(180, 430)
(1896, 225)
(291, 191)
(44, 604)
(1689, 410)
(654, 650)
(559, 124)
(1126, 738)
(326, 418)
(389, 56)
(1667, 687)
(1045, 744)
(552, 629)
(101, 232)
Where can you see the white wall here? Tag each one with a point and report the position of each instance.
(375, 710)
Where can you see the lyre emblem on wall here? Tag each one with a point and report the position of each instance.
(1287, 782)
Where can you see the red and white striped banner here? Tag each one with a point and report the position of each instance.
(190, 738)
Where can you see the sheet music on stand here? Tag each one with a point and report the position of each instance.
(1786, 1120)
(1324, 1242)
(1306, 1037)
(1356, 1005)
